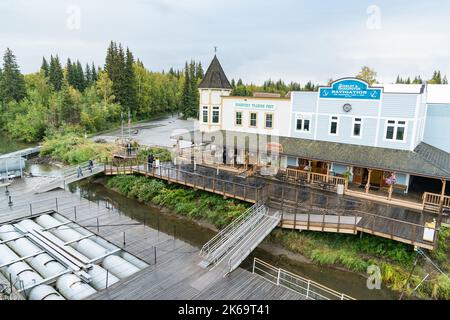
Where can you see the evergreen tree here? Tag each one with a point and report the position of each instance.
(12, 84)
(129, 84)
(45, 67)
(69, 110)
(79, 76)
(195, 95)
(94, 73)
(88, 76)
(115, 67)
(199, 74)
(56, 75)
(233, 83)
(187, 93)
(445, 80)
(71, 74)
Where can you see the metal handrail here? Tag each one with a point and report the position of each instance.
(255, 237)
(234, 224)
(309, 286)
(252, 218)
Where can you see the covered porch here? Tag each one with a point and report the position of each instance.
(414, 180)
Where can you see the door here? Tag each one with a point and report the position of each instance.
(358, 175)
(376, 177)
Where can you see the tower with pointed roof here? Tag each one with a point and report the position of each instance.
(213, 86)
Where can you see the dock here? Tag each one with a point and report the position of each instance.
(173, 272)
(302, 208)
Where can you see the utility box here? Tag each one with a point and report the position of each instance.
(340, 189)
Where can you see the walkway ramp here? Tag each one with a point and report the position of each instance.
(68, 176)
(232, 245)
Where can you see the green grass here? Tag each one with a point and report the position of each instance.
(198, 205)
(395, 259)
(162, 154)
(74, 149)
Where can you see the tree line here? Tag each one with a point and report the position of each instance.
(72, 98)
(89, 98)
(270, 86)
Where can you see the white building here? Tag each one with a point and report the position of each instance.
(368, 131)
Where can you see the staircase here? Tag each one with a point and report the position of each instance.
(68, 176)
(233, 244)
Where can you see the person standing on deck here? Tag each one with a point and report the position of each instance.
(129, 149)
(150, 161)
(247, 159)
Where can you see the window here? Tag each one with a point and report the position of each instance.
(253, 116)
(334, 126)
(205, 115)
(215, 115)
(239, 118)
(357, 126)
(269, 120)
(303, 124)
(395, 130)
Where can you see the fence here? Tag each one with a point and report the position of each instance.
(309, 289)
(434, 202)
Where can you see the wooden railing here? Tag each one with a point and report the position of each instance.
(293, 201)
(315, 178)
(434, 202)
(210, 183)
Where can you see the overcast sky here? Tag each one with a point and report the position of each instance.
(290, 39)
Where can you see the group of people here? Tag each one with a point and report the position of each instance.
(129, 149)
(80, 170)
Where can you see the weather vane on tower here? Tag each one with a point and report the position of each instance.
(215, 49)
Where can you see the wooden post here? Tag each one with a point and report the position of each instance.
(168, 175)
(295, 220)
(328, 172)
(444, 186)
(309, 218)
(373, 224)
(339, 222)
(368, 181)
(323, 221)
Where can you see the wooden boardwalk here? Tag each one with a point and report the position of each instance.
(395, 223)
(173, 273)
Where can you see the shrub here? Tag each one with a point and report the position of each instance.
(74, 149)
(184, 201)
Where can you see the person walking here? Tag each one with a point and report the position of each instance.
(79, 171)
(91, 165)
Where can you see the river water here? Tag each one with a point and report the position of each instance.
(191, 232)
(7, 144)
